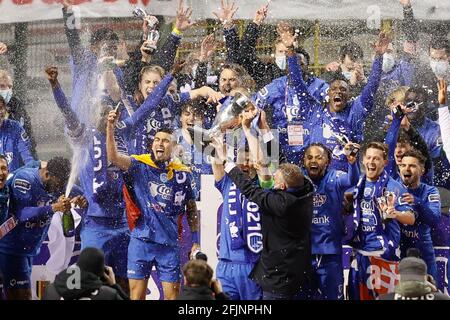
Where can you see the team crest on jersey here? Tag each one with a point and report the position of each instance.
(319, 200)
(368, 192)
(22, 185)
(163, 177)
(434, 197)
(24, 136)
(9, 157)
(120, 125)
(233, 230)
(264, 92)
(254, 241)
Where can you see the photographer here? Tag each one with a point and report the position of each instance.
(199, 284)
(90, 279)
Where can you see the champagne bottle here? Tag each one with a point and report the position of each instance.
(68, 224)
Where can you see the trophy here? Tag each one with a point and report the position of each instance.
(343, 141)
(226, 118)
(152, 34)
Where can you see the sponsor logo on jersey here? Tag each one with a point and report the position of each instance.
(22, 185)
(434, 197)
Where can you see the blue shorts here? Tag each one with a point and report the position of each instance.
(112, 236)
(16, 271)
(235, 280)
(143, 255)
(327, 279)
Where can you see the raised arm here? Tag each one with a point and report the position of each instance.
(225, 15)
(166, 55)
(349, 179)
(391, 141)
(72, 34)
(118, 159)
(444, 117)
(71, 119)
(365, 102)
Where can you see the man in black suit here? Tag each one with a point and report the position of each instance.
(286, 220)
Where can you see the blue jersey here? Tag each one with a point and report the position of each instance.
(401, 75)
(153, 117)
(197, 161)
(237, 211)
(325, 125)
(431, 134)
(31, 204)
(391, 140)
(327, 223)
(284, 101)
(161, 194)
(15, 144)
(374, 236)
(427, 206)
(102, 183)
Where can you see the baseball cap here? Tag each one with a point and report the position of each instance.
(412, 269)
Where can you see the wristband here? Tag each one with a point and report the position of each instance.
(195, 237)
(177, 32)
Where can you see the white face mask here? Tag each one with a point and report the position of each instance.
(6, 94)
(440, 68)
(388, 62)
(194, 70)
(281, 62)
(347, 74)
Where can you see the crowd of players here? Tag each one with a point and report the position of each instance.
(374, 146)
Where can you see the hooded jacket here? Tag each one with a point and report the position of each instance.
(91, 288)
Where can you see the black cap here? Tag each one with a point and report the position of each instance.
(92, 260)
(412, 269)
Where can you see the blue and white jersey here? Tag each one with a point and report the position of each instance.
(197, 161)
(240, 229)
(284, 102)
(431, 134)
(161, 194)
(375, 236)
(31, 205)
(427, 206)
(327, 228)
(14, 144)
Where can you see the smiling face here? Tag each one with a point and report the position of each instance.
(3, 172)
(228, 81)
(189, 117)
(162, 146)
(374, 162)
(316, 161)
(400, 149)
(149, 82)
(411, 170)
(338, 94)
(419, 100)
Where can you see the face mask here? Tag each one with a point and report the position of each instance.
(6, 94)
(194, 70)
(440, 68)
(388, 62)
(281, 62)
(347, 74)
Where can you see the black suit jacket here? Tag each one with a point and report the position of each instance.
(286, 220)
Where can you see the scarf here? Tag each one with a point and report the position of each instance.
(244, 226)
(358, 195)
(170, 167)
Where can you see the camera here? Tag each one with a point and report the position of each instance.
(198, 255)
(397, 111)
